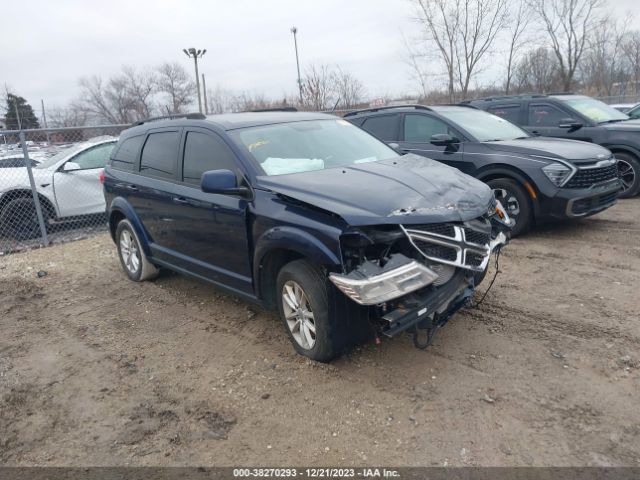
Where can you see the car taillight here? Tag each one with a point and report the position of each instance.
(101, 177)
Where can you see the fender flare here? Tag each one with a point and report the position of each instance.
(295, 240)
(624, 148)
(513, 173)
(120, 205)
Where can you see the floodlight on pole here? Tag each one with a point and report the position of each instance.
(294, 30)
(195, 54)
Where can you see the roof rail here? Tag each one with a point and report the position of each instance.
(190, 116)
(563, 93)
(387, 107)
(506, 97)
(276, 109)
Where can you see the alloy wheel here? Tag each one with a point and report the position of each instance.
(298, 315)
(626, 173)
(129, 251)
(508, 201)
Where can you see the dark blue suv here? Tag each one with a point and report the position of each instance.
(307, 214)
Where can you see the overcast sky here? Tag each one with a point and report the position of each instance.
(48, 45)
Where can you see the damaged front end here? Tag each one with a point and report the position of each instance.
(414, 277)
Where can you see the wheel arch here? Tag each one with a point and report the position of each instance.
(494, 172)
(48, 206)
(119, 210)
(279, 246)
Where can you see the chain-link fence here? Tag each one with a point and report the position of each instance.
(50, 187)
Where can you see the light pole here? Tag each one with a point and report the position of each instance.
(196, 54)
(294, 30)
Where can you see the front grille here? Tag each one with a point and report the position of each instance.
(445, 229)
(587, 177)
(458, 245)
(474, 236)
(437, 251)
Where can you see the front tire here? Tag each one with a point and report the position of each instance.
(19, 220)
(132, 258)
(303, 305)
(515, 201)
(629, 171)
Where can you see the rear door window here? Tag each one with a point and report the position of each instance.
(384, 127)
(545, 115)
(204, 152)
(510, 113)
(160, 155)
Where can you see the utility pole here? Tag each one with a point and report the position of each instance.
(294, 30)
(44, 119)
(196, 54)
(204, 94)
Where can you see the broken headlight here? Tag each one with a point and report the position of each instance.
(370, 284)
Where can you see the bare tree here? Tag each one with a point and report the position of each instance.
(520, 19)
(140, 86)
(631, 49)
(603, 66)
(318, 90)
(106, 101)
(71, 116)
(537, 71)
(219, 100)
(463, 32)
(175, 83)
(348, 88)
(567, 24)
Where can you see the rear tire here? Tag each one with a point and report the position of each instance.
(515, 200)
(629, 171)
(132, 257)
(303, 304)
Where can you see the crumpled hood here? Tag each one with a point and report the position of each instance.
(408, 189)
(561, 148)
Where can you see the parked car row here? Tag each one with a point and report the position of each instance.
(67, 183)
(381, 222)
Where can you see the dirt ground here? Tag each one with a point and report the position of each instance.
(97, 370)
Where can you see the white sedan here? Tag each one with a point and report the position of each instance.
(68, 186)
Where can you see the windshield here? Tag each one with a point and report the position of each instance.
(310, 145)
(595, 110)
(483, 126)
(62, 154)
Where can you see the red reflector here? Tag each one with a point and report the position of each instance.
(101, 176)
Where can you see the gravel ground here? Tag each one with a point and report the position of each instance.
(97, 370)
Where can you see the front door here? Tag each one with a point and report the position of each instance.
(418, 129)
(79, 192)
(545, 119)
(215, 225)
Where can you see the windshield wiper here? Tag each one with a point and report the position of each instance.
(615, 120)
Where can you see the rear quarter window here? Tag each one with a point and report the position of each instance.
(126, 154)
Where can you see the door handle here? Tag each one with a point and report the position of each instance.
(180, 200)
(132, 187)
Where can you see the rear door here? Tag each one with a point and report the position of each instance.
(210, 233)
(384, 127)
(151, 194)
(79, 192)
(417, 130)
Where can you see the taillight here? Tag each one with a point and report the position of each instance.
(101, 177)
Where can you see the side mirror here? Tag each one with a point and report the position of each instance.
(70, 167)
(223, 182)
(443, 139)
(570, 123)
(396, 147)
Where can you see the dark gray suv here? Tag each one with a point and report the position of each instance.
(575, 117)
